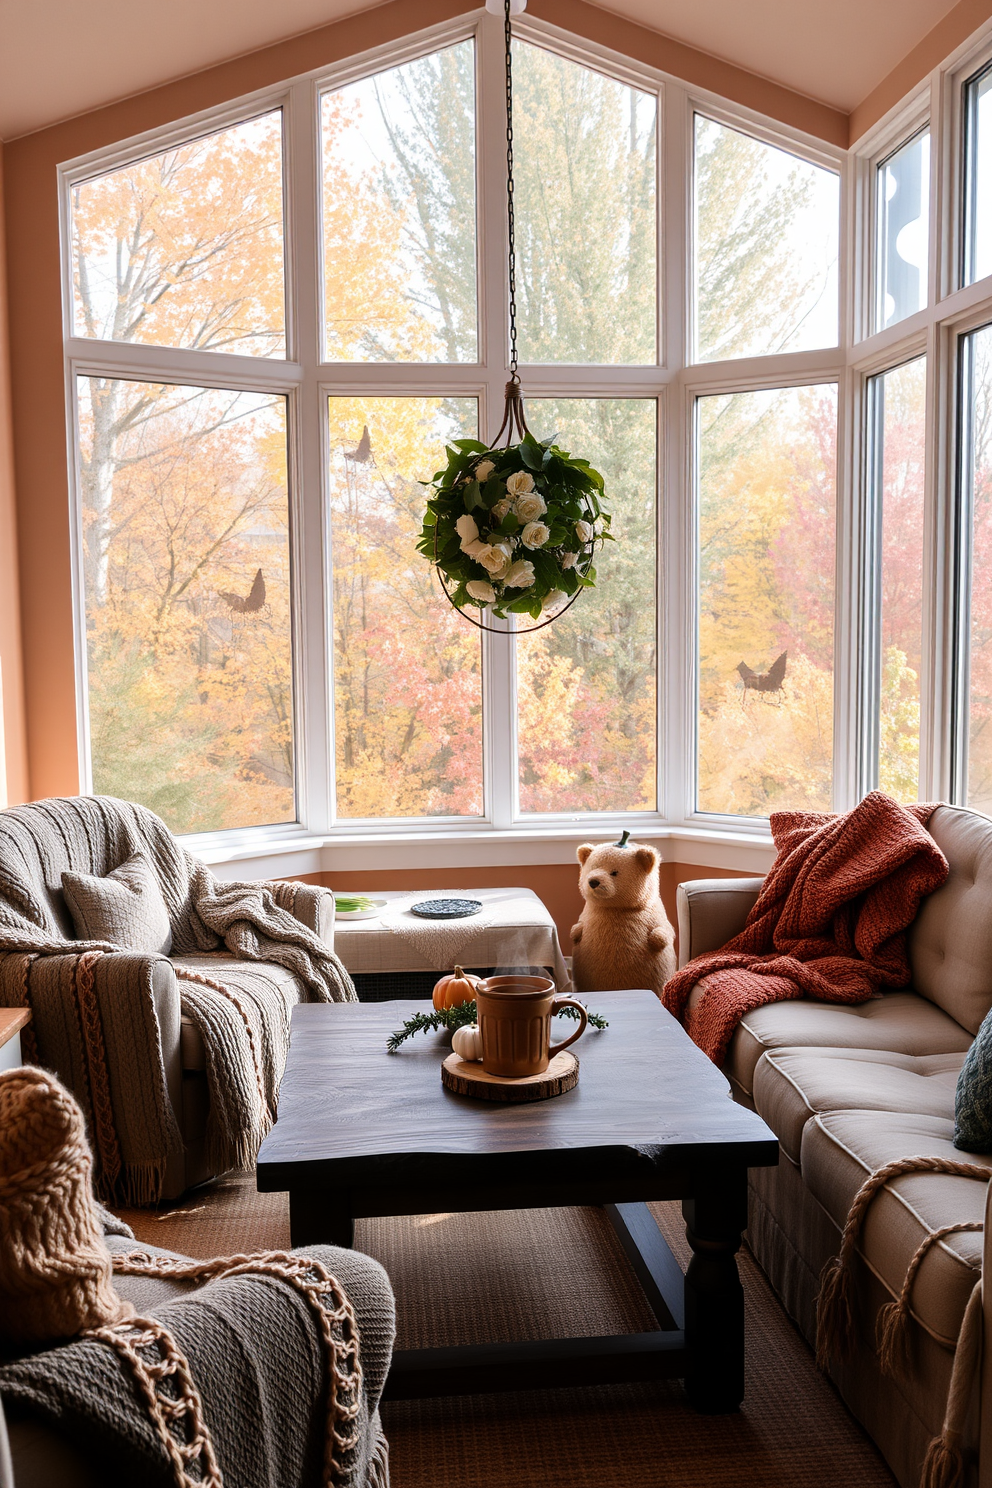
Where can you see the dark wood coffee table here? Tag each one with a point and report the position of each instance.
(361, 1132)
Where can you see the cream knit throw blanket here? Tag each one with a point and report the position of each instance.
(94, 1012)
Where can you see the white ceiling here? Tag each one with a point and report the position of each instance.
(59, 58)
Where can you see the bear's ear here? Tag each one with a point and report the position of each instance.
(647, 858)
(583, 852)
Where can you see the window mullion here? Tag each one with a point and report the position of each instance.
(499, 655)
(676, 506)
(313, 618)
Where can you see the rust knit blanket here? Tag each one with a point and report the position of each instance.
(830, 921)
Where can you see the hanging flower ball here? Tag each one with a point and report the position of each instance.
(514, 531)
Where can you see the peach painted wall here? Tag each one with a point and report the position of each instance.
(13, 740)
(554, 883)
(948, 34)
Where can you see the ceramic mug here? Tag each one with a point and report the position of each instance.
(514, 1015)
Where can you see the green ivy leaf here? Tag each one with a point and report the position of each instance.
(531, 453)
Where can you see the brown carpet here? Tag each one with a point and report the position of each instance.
(557, 1272)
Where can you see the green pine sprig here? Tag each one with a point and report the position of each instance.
(460, 1016)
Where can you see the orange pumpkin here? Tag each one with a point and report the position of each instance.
(455, 988)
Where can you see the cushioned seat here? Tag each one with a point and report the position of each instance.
(840, 1149)
(252, 983)
(897, 1022)
(793, 1085)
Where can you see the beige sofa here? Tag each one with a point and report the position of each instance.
(848, 1089)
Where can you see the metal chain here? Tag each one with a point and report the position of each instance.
(511, 254)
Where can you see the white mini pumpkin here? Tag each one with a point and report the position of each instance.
(467, 1042)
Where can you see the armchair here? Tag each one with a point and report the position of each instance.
(176, 1060)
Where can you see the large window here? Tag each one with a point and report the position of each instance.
(271, 337)
(767, 503)
(407, 671)
(187, 581)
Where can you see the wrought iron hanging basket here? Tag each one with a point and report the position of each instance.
(512, 529)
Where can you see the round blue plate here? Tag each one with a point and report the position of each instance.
(446, 909)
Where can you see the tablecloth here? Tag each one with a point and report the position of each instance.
(513, 928)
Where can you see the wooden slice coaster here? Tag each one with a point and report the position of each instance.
(466, 1077)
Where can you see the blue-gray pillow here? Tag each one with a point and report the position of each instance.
(973, 1095)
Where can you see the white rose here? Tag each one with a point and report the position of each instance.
(568, 560)
(485, 470)
(520, 576)
(520, 482)
(467, 531)
(583, 531)
(553, 600)
(500, 509)
(495, 558)
(479, 589)
(530, 506)
(473, 549)
(535, 535)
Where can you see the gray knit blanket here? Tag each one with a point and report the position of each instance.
(257, 1360)
(94, 1018)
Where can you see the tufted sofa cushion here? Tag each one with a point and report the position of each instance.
(793, 1085)
(840, 1149)
(899, 1022)
(950, 942)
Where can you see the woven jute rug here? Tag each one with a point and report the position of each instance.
(462, 1278)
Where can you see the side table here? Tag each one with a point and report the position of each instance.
(397, 954)
(12, 1020)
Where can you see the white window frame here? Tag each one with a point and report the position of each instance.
(503, 835)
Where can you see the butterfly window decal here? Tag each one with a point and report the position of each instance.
(248, 604)
(771, 681)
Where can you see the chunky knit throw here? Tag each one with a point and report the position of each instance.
(56, 1284)
(830, 921)
(94, 1005)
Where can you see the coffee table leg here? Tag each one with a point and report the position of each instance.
(714, 1298)
(314, 1220)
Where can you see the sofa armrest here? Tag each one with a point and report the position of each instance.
(712, 911)
(312, 905)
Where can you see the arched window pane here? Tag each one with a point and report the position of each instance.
(765, 235)
(186, 248)
(586, 235)
(399, 213)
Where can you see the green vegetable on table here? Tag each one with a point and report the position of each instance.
(349, 903)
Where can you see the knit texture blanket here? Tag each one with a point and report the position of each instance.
(830, 921)
(94, 1004)
(257, 1359)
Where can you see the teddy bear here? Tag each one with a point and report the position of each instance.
(623, 937)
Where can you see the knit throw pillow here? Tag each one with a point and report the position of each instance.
(125, 908)
(973, 1096)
